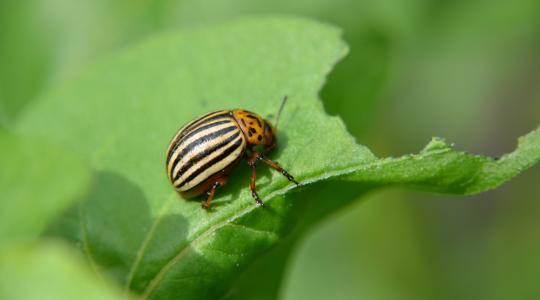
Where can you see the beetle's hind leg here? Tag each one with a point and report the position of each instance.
(219, 182)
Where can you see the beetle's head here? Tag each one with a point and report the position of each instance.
(270, 135)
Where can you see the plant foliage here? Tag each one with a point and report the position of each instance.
(120, 114)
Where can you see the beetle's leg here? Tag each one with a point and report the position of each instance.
(219, 182)
(206, 204)
(274, 165)
(252, 162)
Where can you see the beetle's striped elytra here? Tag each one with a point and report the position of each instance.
(203, 152)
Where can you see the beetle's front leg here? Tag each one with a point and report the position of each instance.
(274, 165)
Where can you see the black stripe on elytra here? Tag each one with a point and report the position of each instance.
(196, 121)
(190, 125)
(203, 139)
(199, 156)
(186, 132)
(179, 135)
(203, 127)
(230, 149)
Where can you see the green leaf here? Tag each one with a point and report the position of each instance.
(440, 168)
(37, 182)
(122, 112)
(48, 271)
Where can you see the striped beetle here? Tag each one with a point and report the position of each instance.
(202, 154)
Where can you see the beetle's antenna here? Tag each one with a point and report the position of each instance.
(280, 110)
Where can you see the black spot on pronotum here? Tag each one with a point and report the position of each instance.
(243, 122)
(253, 117)
(252, 130)
(259, 138)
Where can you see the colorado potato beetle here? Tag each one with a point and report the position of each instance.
(202, 154)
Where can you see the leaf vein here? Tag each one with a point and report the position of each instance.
(144, 245)
(251, 229)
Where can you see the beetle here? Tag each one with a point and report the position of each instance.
(203, 152)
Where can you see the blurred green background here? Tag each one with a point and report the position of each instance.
(468, 71)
